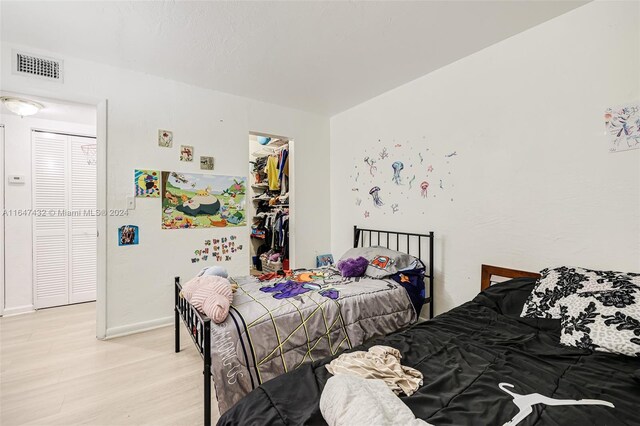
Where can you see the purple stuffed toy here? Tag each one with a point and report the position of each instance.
(353, 267)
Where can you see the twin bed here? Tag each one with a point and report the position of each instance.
(278, 325)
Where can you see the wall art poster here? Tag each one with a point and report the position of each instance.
(165, 138)
(191, 200)
(206, 163)
(623, 127)
(147, 183)
(128, 235)
(186, 153)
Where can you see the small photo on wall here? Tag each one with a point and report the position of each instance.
(186, 153)
(165, 138)
(324, 260)
(206, 163)
(147, 183)
(128, 235)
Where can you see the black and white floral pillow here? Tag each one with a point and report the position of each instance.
(558, 283)
(602, 321)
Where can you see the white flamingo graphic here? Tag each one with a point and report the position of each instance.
(526, 402)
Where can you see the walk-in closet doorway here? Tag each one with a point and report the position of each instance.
(270, 208)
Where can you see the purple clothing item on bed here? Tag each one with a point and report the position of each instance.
(353, 267)
(286, 289)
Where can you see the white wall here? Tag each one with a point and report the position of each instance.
(534, 183)
(18, 229)
(140, 278)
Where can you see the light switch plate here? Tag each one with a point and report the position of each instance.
(17, 179)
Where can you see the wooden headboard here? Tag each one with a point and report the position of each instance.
(489, 271)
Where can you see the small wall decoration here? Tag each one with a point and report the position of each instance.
(206, 163)
(622, 125)
(147, 183)
(128, 235)
(193, 200)
(389, 173)
(186, 153)
(165, 138)
(217, 249)
(324, 260)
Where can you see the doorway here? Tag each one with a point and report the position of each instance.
(270, 197)
(51, 199)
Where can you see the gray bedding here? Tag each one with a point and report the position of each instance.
(276, 326)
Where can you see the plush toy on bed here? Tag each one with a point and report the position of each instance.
(216, 270)
(211, 293)
(353, 267)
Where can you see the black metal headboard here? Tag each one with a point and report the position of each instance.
(406, 242)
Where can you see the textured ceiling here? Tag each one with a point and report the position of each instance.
(323, 57)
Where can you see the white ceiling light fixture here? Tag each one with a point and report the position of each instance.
(21, 107)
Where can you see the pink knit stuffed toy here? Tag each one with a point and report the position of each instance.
(211, 295)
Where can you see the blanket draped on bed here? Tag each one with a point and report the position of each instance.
(276, 326)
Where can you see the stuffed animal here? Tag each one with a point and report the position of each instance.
(353, 267)
(215, 270)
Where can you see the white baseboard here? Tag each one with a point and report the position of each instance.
(18, 310)
(125, 330)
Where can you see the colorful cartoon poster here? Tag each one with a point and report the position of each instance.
(128, 235)
(191, 200)
(147, 183)
(623, 127)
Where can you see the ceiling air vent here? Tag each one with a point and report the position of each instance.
(38, 66)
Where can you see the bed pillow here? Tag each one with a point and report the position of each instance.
(383, 262)
(605, 321)
(557, 283)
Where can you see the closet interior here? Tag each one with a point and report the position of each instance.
(269, 164)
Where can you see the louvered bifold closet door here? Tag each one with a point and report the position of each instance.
(83, 274)
(50, 224)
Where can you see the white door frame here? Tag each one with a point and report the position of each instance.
(101, 170)
(102, 141)
(2, 219)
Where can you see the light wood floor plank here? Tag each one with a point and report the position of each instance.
(53, 371)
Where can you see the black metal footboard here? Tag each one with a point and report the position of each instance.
(199, 327)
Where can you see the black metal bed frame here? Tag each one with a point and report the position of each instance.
(199, 325)
(359, 237)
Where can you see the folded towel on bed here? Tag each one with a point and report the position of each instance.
(211, 295)
(348, 400)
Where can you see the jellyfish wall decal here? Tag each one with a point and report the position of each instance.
(397, 167)
(423, 189)
(376, 196)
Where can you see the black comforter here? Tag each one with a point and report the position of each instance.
(464, 354)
